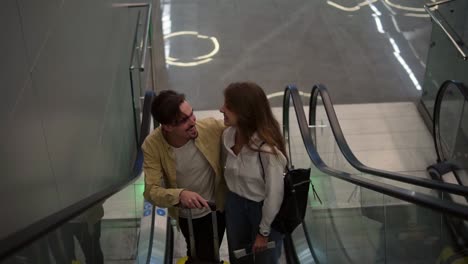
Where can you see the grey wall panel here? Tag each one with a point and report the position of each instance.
(82, 76)
(113, 146)
(26, 172)
(38, 17)
(65, 78)
(13, 65)
(27, 178)
(68, 125)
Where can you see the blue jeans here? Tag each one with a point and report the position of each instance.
(243, 217)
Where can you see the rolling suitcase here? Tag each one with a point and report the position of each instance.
(193, 252)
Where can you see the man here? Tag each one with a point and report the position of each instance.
(184, 155)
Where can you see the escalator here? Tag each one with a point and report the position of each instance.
(365, 215)
(450, 130)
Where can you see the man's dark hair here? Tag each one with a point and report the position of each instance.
(166, 107)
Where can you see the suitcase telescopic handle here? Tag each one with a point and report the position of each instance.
(212, 205)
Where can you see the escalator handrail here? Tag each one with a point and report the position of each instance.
(321, 90)
(400, 193)
(437, 107)
(22, 238)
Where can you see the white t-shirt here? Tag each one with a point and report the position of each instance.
(194, 173)
(243, 175)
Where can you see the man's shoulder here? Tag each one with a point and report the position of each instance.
(210, 123)
(153, 139)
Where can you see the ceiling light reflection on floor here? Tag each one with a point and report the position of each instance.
(406, 8)
(350, 9)
(196, 60)
(396, 52)
(379, 24)
(279, 94)
(421, 12)
(417, 15)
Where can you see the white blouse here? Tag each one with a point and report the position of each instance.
(243, 174)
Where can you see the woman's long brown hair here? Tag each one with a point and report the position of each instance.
(252, 108)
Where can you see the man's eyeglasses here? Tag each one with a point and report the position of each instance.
(184, 120)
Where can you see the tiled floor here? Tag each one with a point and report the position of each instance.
(126, 204)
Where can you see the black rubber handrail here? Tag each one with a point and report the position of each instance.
(400, 193)
(30, 234)
(169, 251)
(321, 90)
(437, 107)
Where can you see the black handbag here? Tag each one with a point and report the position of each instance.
(294, 205)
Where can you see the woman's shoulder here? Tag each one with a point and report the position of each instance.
(271, 153)
(264, 147)
(229, 131)
(228, 136)
(256, 143)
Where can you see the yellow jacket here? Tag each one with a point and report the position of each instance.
(160, 168)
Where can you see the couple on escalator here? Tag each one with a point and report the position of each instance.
(237, 162)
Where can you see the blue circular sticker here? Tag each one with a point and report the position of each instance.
(147, 205)
(161, 212)
(146, 212)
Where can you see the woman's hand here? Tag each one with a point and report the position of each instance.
(260, 243)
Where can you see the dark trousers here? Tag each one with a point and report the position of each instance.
(203, 233)
(243, 217)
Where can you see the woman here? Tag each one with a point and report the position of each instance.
(255, 156)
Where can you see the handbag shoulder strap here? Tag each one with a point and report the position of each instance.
(260, 158)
